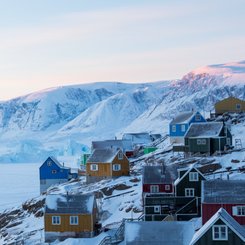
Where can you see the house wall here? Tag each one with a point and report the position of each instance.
(194, 147)
(229, 105)
(104, 169)
(124, 166)
(208, 210)
(207, 238)
(147, 188)
(46, 183)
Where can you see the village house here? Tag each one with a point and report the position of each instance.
(180, 124)
(221, 228)
(106, 163)
(230, 105)
(138, 139)
(69, 216)
(207, 137)
(228, 194)
(51, 172)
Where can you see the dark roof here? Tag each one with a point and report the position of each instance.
(227, 219)
(158, 233)
(124, 145)
(223, 191)
(102, 156)
(183, 117)
(69, 204)
(159, 174)
(205, 129)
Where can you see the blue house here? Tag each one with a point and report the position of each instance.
(52, 172)
(180, 124)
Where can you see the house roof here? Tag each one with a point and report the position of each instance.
(102, 156)
(183, 117)
(159, 174)
(69, 204)
(155, 232)
(138, 138)
(188, 170)
(57, 162)
(227, 219)
(204, 130)
(223, 191)
(124, 145)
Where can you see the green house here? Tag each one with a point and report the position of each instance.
(84, 158)
(149, 149)
(207, 137)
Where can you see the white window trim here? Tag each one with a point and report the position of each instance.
(116, 165)
(120, 155)
(228, 141)
(173, 128)
(235, 211)
(152, 187)
(49, 163)
(157, 209)
(58, 219)
(167, 187)
(190, 190)
(193, 176)
(219, 227)
(183, 127)
(94, 165)
(76, 223)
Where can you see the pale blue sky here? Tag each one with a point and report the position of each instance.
(49, 43)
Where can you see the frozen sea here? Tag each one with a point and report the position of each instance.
(18, 183)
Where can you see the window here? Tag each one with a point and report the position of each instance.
(238, 106)
(238, 211)
(174, 128)
(198, 117)
(73, 220)
(49, 163)
(157, 209)
(220, 232)
(55, 220)
(154, 188)
(201, 141)
(116, 167)
(183, 128)
(189, 192)
(228, 141)
(94, 167)
(54, 171)
(167, 187)
(120, 155)
(193, 176)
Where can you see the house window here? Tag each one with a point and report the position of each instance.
(189, 192)
(220, 232)
(228, 141)
(54, 171)
(73, 220)
(238, 106)
(183, 128)
(120, 155)
(201, 141)
(193, 176)
(157, 209)
(55, 220)
(198, 117)
(154, 188)
(167, 187)
(173, 128)
(238, 211)
(116, 167)
(94, 167)
(49, 163)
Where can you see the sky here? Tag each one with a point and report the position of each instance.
(47, 43)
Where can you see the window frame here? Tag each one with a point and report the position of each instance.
(114, 165)
(198, 117)
(120, 156)
(96, 167)
(157, 209)
(238, 211)
(238, 106)
(152, 187)
(56, 218)
(192, 178)
(183, 128)
(49, 163)
(54, 171)
(76, 219)
(167, 187)
(219, 238)
(189, 191)
(173, 127)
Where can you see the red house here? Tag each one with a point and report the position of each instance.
(158, 179)
(227, 194)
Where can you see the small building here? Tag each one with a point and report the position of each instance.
(189, 182)
(158, 233)
(106, 163)
(180, 124)
(228, 194)
(52, 172)
(69, 216)
(138, 139)
(230, 105)
(207, 137)
(221, 228)
(148, 150)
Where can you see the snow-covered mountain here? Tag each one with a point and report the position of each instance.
(64, 120)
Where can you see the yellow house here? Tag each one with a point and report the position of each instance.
(230, 104)
(106, 163)
(69, 216)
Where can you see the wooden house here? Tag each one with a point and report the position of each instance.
(230, 105)
(69, 216)
(207, 137)
(228, 194)
(165, 232)
(106, 163)
(221, 228)
(180, 124)
(52, 172)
